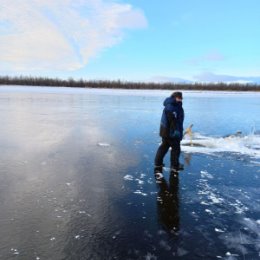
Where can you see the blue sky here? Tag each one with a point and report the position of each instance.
(136, 40)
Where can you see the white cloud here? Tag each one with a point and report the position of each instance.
(61, 34)
(213, 77)
(207, 77)
(209, 57)
(165, 79)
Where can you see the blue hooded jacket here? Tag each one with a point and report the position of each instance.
(172, 119)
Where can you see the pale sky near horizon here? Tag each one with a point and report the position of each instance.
(136, 40)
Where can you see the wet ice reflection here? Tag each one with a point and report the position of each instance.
(76, 179)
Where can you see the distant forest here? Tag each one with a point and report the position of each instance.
(51, 82)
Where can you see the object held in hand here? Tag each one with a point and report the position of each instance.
(188, 131)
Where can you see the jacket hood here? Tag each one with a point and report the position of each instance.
(171, 101)
(168, 101)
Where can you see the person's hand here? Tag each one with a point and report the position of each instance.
(175, 134)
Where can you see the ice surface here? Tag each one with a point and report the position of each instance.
(121, 92)
(216, 202)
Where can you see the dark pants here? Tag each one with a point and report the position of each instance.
(174, 143)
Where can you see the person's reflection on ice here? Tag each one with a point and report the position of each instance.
(168, 203)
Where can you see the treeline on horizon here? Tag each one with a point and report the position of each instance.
(51, 82)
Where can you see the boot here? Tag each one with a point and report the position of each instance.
(158, 172)
(177, 169)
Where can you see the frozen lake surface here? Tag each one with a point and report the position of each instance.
(76, 176)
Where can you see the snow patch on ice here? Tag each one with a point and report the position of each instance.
(215, 199)
(82, 212)
(181, 252)
(150, 256)
(252, 225)
(103, 144)
(142, 175)
(204, 203)
(238, 241)
(205, 174)
(219, 230)
(139, 181)
(140, 192)
(255, 162)
(209, 192)
(229, 254)
(164, 245)
(117, 233)
(15, 251)
(128, 177)
(209, 211)
(245, 145)
(150, 181)
(239, 207)
(161, 232)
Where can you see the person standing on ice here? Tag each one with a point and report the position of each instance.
(171, 131)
